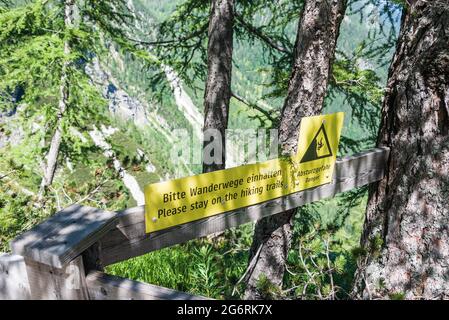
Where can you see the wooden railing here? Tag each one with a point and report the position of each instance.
(63, 257)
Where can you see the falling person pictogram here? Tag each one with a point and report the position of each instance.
(319, 148)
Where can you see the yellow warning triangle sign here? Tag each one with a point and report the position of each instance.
(319, 148)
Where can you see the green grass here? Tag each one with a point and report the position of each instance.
(200, 267)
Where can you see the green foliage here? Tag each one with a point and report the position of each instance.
(32, 41)
(32, 56)
(321, 262)
(346, 73)
(199, 267)
(16, 211)
(189, 39)
(267, 29)
(204, 274)
(95, 184)
(108, 16)
(266, 289)
(92, 181)
(397, 296)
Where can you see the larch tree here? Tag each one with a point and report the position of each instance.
(405, 242)
(44, 48)
(316, 40)
(55, 145)
(218, 83)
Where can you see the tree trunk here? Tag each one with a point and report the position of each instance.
(218, 85)
(52, 156)
(405, 240)
(315, 49)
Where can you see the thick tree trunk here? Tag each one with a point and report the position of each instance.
(219, 63)
(406, 231)
(315, 49)
(52, 156)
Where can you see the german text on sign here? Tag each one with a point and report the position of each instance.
(179, 201)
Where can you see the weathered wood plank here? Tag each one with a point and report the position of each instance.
(50, 283)
(64, 236)
(92, 259)
(129, 239)
(13, 278)
(102, 286)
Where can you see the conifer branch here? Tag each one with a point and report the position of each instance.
(259, 34)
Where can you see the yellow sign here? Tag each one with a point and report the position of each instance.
(175, 202)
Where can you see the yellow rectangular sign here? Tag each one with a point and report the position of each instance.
(179, 201)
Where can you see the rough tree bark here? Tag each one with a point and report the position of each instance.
(219, 62)
(52, 156)
(406, 231)
(315, 49)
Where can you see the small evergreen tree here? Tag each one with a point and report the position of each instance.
(44, 48)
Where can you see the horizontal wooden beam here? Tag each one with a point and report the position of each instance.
(102, 286)
(129, 240)
(64, 236)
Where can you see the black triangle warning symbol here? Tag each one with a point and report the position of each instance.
(319, 148)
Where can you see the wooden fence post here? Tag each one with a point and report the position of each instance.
(50, 283)
(53, 251)
(13, 278)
